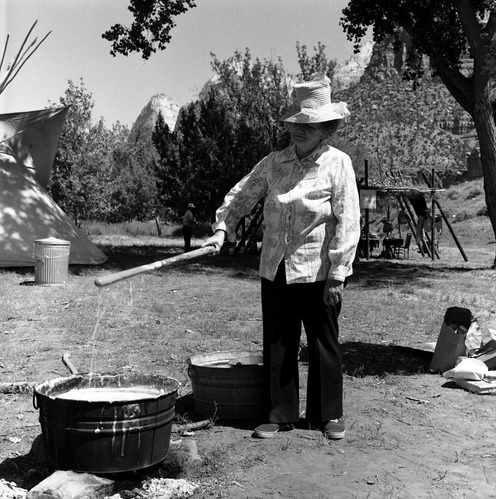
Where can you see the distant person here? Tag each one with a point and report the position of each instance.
(188, 222)
(387, 228)
(312, 227)
(403, 219)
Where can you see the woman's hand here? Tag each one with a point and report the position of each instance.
(333, 292)
(217, 240)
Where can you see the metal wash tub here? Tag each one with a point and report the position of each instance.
(106, 436)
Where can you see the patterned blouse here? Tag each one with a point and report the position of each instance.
(311, 213)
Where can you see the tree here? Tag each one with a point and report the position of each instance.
(97, 173)
(404, 127)
(70, 180)
(168, 180)
(153, 21)
(318, 63)
(164, 145)
(458, 36)
(135, 194)
(123, 189)
(219, 138)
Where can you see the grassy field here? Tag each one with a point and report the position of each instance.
(410, 434)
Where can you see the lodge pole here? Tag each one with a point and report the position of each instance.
(367, 231)
(433, 213)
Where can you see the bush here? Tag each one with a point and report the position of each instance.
(462, 215)
(144, 229)
(465, 200)
(134, 229)
(474, 192)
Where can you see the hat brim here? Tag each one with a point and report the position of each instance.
(308, 115)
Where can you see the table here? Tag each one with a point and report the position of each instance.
(362, 246)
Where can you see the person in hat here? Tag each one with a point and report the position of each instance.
(188, 222)
(312, 228)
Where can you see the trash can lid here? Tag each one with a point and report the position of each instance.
(53, 240)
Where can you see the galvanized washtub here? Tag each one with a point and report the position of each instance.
(106, 423)
(228, 384)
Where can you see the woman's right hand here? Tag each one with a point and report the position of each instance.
(217, 240)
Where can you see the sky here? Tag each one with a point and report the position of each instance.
(122, 86)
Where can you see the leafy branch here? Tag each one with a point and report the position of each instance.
(150, 29)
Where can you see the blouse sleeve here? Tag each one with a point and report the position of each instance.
(346, 209)
(241, 199)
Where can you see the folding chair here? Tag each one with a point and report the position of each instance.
(404, 251)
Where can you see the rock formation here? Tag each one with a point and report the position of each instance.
(349, 72)
(146, 120)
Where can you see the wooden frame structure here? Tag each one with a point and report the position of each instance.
(249, 233)
(428, 246)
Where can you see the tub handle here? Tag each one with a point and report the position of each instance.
(35, 405)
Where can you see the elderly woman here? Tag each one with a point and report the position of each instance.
(312, 228)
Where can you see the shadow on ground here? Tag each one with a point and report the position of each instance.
(185, 410)
(386, 272)
(124, 258)
(25, 471)
(377, 272)
(369, 359)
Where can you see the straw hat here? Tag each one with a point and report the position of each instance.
(312, 104)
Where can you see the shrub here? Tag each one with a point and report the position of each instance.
(474, 192)
(144, 229)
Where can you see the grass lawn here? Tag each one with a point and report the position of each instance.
(410, 433)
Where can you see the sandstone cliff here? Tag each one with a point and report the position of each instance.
(349, 72)
(146, 120)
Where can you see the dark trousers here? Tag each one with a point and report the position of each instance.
(187, 233)
(285, 307)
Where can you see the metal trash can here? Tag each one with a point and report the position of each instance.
(51, 261)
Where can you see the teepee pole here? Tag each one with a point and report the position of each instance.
(20, 58)
(4, 51)
(25, 59)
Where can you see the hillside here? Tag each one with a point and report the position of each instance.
(394, 124)
(402, 129)
(397, 125)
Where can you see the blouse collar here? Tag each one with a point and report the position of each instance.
(289, 154)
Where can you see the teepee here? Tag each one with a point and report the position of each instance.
(28, 143)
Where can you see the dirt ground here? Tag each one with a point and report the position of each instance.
(410, 433)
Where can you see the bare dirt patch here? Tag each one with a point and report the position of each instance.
(410, 433)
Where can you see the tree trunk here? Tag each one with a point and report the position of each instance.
(486, 132)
